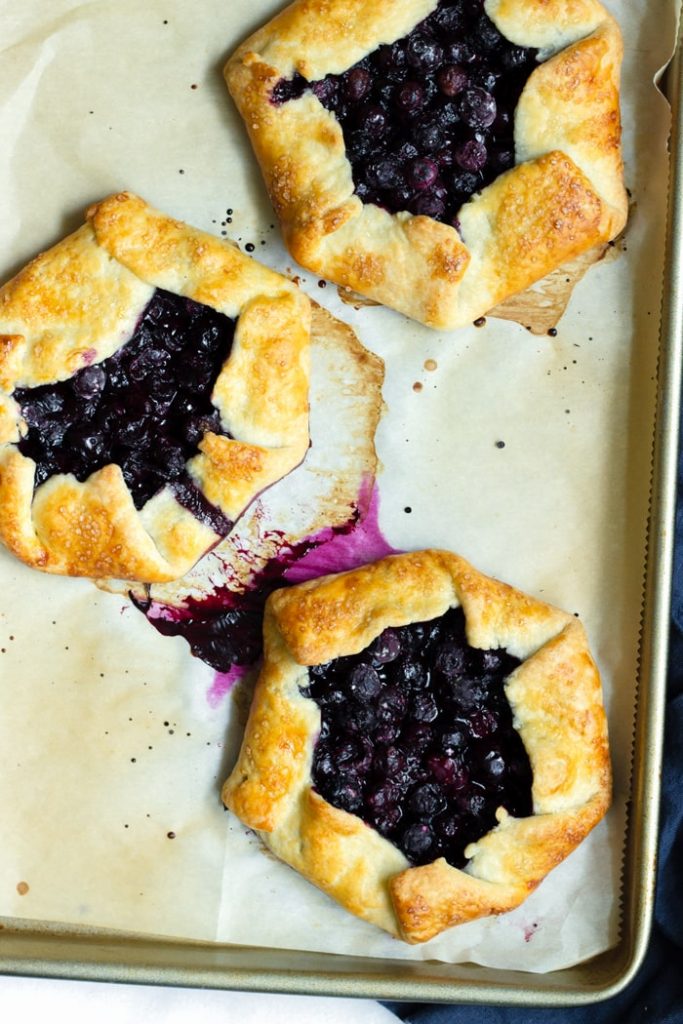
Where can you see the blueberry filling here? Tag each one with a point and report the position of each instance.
(145, 408)
(226, 638)
(428, 120)
(416, 738)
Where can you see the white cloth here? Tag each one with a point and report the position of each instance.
(85, 1002)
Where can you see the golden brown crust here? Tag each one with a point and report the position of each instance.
(274, 756)
(434, 897)
(539, 215)
(567, 129)
(547, 25)
(571, 104)
(70, 306)
(343, 856)
(77, 304)
(556, 701)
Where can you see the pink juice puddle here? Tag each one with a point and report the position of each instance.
(356, 544)
(223, 682)
(224, 628)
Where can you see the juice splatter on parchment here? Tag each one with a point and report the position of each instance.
(223, 628)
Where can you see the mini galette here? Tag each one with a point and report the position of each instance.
(153, 380)
(437, 156)
(425, 743)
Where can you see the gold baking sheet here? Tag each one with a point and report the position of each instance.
(31, 948)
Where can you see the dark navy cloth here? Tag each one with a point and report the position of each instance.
(656, 994)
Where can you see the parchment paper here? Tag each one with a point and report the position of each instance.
(112, 751)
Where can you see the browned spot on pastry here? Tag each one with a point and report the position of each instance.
(326, 136)
(248, 58)
(22, 888)
(607, 127)
(282, 185)
(233, 456)
(580, 71)
(416, 909)
(449, 262)
(85, 535)
(367, 269)
(261, 73)
(336, 218)
(602, 130)
(8, 344)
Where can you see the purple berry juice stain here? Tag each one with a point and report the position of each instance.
(340, 550)
(223, 683)
(224, 629)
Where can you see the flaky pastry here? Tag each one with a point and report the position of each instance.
(153, 380)
(461, 711)
(396, 161)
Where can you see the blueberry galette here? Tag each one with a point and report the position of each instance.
(425, 743)
(153, 380)
(437, 155)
